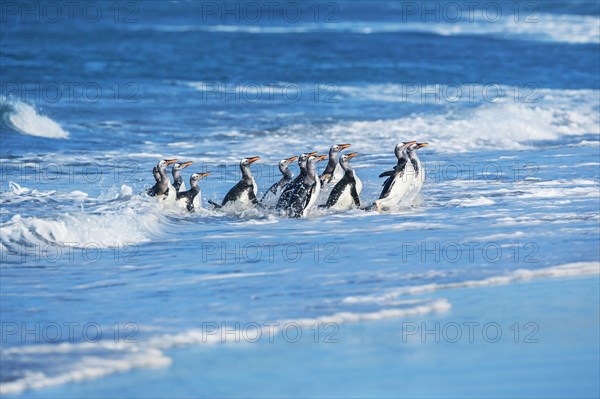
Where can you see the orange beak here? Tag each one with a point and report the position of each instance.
(419, 145)
(322, 157)
(292, 159)
(343, 146)
(352, 155)
(170, 161)
(251, 160)
(312, 154)
(186, 164)
(203, 175)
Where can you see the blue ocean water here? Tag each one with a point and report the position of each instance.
(489, 287)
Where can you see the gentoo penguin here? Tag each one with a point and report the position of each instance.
(163, 188)
(305, 194)
(178, 182)
(243, 194)
(414, 159)
(399, 182)
(333, 172)
(346, 191)
(272, 195)
(191, 198)
(419, 170)
(286, 194)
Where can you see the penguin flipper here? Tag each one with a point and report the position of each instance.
(155, 174)
(190, 206)
(355, 197)
(272, 190)
(151, 191)
(388, 173)
(389, 182)
(252, 197)
(213, 203)
(325, 178)
(299, 201)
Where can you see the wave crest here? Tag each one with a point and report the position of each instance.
(23, 118)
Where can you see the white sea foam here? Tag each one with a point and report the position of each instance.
(88, 367)
(134, 221)
(557, 192)
(492, 126)
(120, 356)
(17, 194)
(540, 27)
(504, 125)
(24, 119)
(469, 202)
(567, 270)
(432, 306)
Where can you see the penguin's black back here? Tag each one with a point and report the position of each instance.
(389, 182)
(238, 190)
(339, 188)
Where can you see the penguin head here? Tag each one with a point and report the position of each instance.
(402, 147)
(179, 166)
(313, 159)
(166, 162)
(336, 148)
(412, 148)
(347, 157)
(286, 162)
(248, 161)
(198, 176)
(303, 158)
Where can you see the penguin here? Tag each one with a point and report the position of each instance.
(332, 174)
(178, 182)
(286, 194)
(399, 182)
(305, 194)
(243, 194)
(191, 198)
(272, 195)
(419, 172)
(163, 188)
(412, 155)
(345, 193)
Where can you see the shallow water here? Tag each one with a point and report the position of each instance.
(104, 291)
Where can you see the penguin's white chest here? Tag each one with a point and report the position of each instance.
(358, 185)
(244, 198)
(171, 195)
(338, 173)
(344, 201)
(313, 197)
(403, 182)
